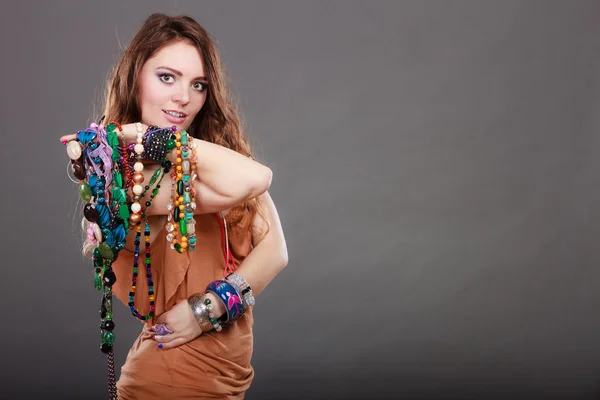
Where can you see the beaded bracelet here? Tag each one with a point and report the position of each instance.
(230, 298)
(202, 309)
(243, 288)
(158, 143)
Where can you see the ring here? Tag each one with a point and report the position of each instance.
(161, 329)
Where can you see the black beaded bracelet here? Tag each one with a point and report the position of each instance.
(156, 147)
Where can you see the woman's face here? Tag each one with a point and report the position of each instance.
(173, 86)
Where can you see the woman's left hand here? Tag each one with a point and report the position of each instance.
(181, 321)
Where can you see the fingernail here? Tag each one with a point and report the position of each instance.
(156, 337)
(160, 346)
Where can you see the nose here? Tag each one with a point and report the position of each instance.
(182, 95)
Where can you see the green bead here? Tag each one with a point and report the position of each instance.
(108, 337)
(111, 127)
(119, 195)
(184, 138)
(182, 227)
(155, 176)
(85, 192)
(124, 212)
(155, 192)
(186, 197)
(97, 282)
(180, 187)
(118, 179)
(106, 251)
(170, 144)
(97, 253)
(147, 261)
(178, 247)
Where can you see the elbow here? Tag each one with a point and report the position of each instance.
(283, 258)
(261, 183)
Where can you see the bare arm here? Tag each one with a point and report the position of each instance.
(269, 257)
(225, 177)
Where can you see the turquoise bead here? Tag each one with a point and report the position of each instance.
(192, 240)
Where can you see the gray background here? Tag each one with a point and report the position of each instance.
(435, 169)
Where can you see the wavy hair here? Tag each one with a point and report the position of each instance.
(217, 122)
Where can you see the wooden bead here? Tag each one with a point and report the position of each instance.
(138, 177)
(135, 218)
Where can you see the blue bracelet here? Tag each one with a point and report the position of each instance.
(230, 298)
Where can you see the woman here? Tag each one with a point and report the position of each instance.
(171, 75)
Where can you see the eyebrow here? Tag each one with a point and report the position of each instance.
(198, 78)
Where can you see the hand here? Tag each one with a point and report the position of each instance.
(129, 134)
(181, 321)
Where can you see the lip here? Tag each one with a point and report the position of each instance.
(175, 120)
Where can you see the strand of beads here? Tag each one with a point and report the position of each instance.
(148, 274)
(188, 166)
(118, 190)
(175, 213)
(138, 177)
(161, 171)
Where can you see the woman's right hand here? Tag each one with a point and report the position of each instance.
(129, 134)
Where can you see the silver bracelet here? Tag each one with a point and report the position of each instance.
(201, 311)
(243, 288)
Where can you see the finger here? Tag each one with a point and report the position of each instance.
(173, 343)
(165, 338)
(64, 139)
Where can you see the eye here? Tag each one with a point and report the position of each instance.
(199, 86)
(165, 78)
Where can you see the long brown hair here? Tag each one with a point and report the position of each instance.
(218, 121)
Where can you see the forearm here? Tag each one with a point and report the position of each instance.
(269, 255)
(263, 264)
(229, 173)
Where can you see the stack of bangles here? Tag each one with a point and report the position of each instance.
(235, 299)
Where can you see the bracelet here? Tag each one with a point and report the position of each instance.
(202, 309)
(243, 288)
(230, 298)
(158, 143)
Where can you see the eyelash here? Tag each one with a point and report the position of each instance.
(202, 84)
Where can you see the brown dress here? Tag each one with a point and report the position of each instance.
(214, 365)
